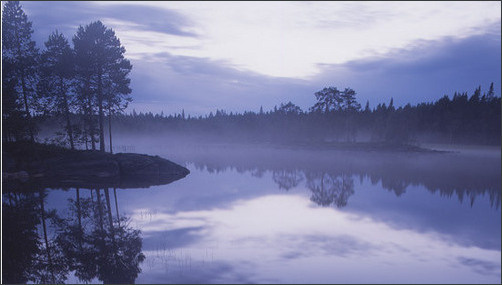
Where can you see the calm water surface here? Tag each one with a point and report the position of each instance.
(273, 216)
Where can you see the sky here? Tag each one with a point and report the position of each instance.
(239, 56)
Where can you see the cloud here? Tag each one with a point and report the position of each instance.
(201, 85)
(342, 245)
(281, 39)
(289, 39)
(152, 19)
(171, 239)
(66, 16)
(480, 266)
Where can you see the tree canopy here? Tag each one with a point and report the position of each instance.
(88, 79)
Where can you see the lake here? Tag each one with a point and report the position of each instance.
(250, 214)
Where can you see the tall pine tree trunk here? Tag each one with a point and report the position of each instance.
(91, 124)
(101, 114)
(116, 205)
(84, 130)
(100, 210)
(44, 226)
(67, 113)
(25, 95)
(88, 111)
(69, 129)
(101, 127)
(79, 214)
(26, 108)
(108, 205)
(110, 127)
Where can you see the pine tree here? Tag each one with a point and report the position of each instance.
(367, 107)
(349, 100)
(19, 59)
(85, 92)
(328, 99)
(391, 105)
(56, 78)
(476, 96)
(103, 71)
(491, 93)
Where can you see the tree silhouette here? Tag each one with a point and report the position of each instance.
(289, 108)
(51, 264)
(19, 60)
(117, 92)
(13, 123)
(103, 72)
(491, 93)
(20, 242)
(348, 100)
(110, 253)
(84, 84)
(118, 248)
(328, 99)
(56, 79)
(329, 189)
(73, 238)
(287, 179)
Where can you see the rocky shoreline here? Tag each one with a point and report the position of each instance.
(51, 166)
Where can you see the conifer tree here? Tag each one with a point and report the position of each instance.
(19, 59)
(491, 93)
(103, 72)
(56, 78)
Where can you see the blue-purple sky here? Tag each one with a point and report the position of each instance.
(237, 56)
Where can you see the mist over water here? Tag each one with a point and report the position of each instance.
(285, 215)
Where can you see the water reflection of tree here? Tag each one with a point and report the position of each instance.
(20, 241)
(73, 235)
(98, 245)
(119, 249)
(466, 177)
(330, 189)
(287, 179)
(50, 265)
(42, 247)
(28, 249)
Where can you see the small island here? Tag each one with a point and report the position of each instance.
(52, 166)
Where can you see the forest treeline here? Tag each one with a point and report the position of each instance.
(85, 88)
(336, 116)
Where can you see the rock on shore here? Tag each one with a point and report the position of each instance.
(51, 166)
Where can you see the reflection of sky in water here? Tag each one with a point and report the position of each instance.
(284, 238)
(233, 227)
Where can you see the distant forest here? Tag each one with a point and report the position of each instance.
(338, 117)
(76, 93)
